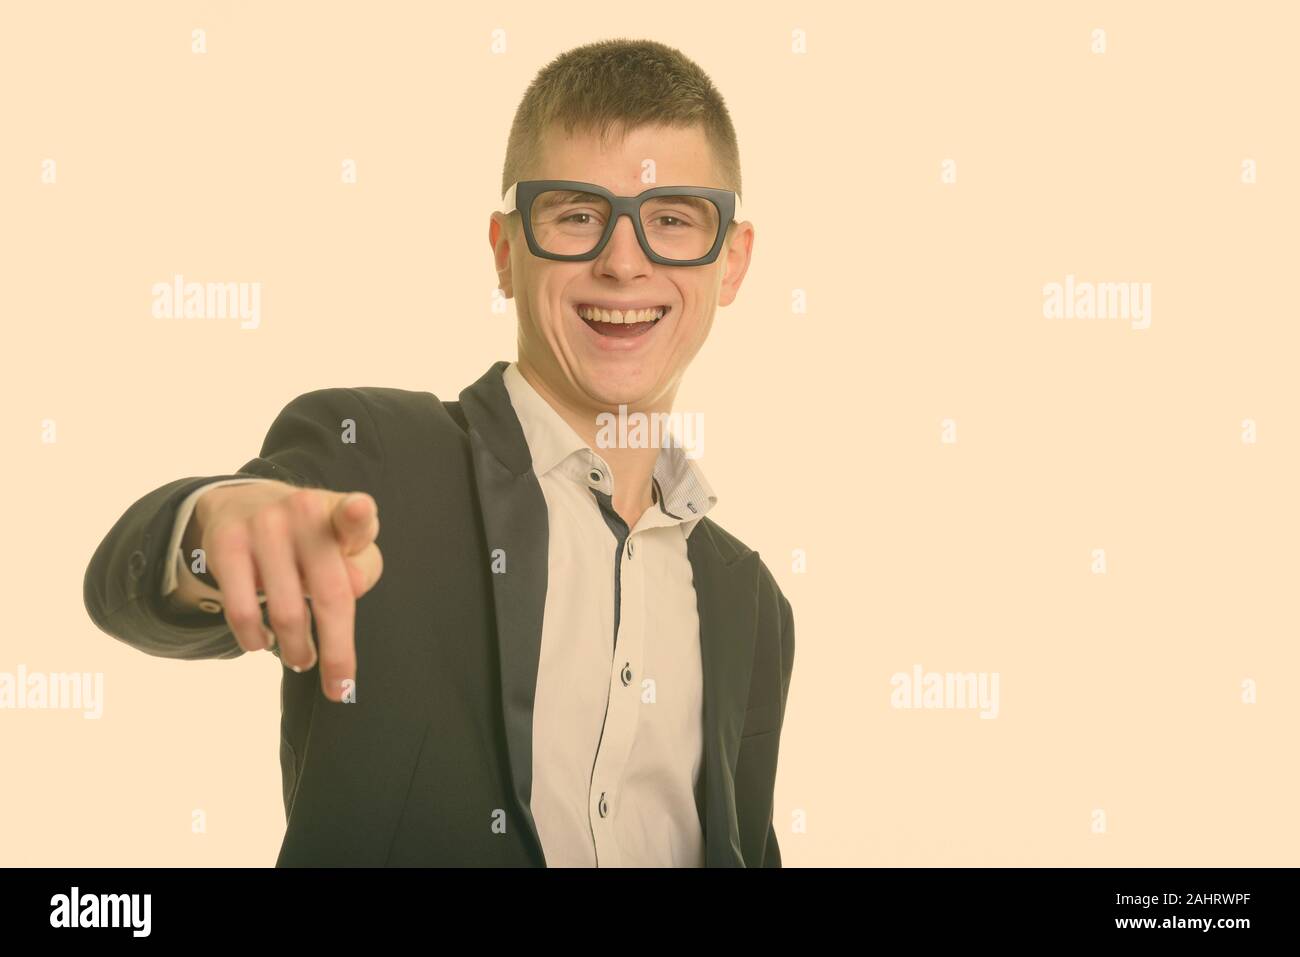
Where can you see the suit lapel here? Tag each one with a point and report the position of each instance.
(726, 590)
(515, 521)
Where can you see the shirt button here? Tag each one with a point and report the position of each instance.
(207, 604)
(136, 563)
(626, 674)
(595, 475)
(604, 808)
(631, 548)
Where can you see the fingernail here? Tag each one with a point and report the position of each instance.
(307, 667)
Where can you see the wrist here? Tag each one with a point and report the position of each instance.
(192, 538)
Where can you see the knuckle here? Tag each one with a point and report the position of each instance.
(288, 620)
(227, 537)
(243, 619)
(336, 611)
(271, 520)
(334, 595)
(305, 505)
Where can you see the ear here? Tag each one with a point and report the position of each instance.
(499, 238)
(735, 255)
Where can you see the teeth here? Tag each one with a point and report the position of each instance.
(614, 315)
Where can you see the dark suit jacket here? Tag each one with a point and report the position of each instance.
(440, 735)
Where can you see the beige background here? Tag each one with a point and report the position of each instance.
(1119, 692)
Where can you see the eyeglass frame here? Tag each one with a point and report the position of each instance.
(522, 193)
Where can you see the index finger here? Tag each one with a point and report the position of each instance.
(333, 607)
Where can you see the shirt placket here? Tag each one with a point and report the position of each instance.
(623, 701)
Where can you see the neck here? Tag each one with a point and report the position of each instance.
(632, 468)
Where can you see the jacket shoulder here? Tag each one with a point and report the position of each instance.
(729, 546)
(733, 549)
(380, 426)
(397, 404)
(378, 400)
(387, 407)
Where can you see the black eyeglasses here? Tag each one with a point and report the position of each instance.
(572, 221)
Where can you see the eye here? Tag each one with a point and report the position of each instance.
(670, 221)
(576, 218)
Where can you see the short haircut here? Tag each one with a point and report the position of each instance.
(611, 87)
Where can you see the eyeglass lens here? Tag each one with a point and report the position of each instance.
(569, 223)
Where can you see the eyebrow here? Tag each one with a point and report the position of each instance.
(554, 197)
(560, 197)
(698, 203)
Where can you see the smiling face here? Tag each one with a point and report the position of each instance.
(638, 363)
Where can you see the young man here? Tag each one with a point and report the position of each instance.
(566, 662)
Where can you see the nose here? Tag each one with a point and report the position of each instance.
(623, 254)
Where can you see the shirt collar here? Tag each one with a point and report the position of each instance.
(681, 490)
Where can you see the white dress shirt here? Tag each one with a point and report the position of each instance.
(617, 725)
(617, 719)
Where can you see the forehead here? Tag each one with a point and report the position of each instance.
(676, 156)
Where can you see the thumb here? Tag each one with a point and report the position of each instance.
(355, 520)
(364, 569)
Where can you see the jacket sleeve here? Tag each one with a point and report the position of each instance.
(124, 582)
(772, 850)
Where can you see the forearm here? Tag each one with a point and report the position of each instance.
(133, 570)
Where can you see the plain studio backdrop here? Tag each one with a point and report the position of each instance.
(944, 479)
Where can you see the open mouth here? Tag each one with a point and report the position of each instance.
(621, 325)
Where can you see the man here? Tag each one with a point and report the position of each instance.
(567, 663)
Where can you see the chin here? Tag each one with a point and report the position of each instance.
(611, 387)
